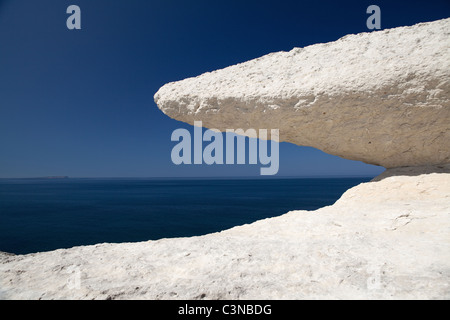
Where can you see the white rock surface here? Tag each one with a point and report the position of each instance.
(381, 97)
(381, 240)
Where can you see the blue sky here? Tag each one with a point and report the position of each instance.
(80, 102)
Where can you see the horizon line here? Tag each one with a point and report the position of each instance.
(194, 177)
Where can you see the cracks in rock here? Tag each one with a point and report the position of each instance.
(401, 221)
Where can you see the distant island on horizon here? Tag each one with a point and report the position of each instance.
(41, 178)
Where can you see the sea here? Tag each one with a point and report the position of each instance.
(46, 214)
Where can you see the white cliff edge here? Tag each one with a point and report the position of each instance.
(380, 97)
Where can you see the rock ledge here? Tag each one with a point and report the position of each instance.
(381, 97)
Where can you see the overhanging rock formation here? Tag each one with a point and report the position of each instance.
(381, 97)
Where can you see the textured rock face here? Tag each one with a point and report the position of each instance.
(380, 97)
(385, 239)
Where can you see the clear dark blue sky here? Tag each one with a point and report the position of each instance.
(80, 103)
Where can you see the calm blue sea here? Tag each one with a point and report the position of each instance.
(42, 214)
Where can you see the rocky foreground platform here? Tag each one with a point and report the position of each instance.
(387, 239)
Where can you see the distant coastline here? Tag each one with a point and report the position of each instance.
(39, 178)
